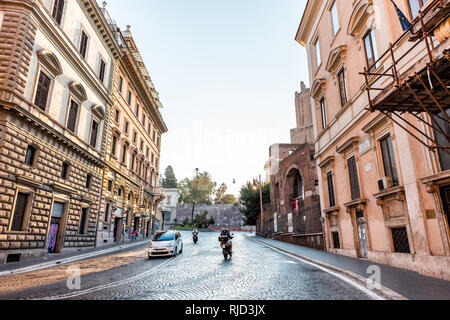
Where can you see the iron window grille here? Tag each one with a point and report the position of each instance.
(400, 240)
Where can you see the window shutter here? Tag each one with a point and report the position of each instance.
(353, 174)
(73, 111)
(19, 212)
(42, 91)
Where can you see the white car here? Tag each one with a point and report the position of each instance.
(165, 243)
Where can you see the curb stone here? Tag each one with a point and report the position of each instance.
(383, 291)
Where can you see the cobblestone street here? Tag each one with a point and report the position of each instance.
(255, 272)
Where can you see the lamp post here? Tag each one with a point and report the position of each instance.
(261, 222)
(195, 195)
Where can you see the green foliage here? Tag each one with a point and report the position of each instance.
(169, 181)
(250, 204)
(199, 189)
(220, 193)
(229, 199)
(185, 222)
(202, 221)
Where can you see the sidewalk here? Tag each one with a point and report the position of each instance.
(406, 283)
(51, 260)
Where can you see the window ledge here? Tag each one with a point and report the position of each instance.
(334, 210)
(390, 192)
(356, 203)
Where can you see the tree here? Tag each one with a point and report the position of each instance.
(169, 181)
(201, 221)
(220, 193)
(250, 204)
(229, 199)
(199, 189)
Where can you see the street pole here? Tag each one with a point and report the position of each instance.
(261, 201)
(195, 195)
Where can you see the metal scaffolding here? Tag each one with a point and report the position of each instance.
(423, 89)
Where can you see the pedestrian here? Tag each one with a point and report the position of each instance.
(134, 234)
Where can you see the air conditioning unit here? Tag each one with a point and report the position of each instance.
(385, 183)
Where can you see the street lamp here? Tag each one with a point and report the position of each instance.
(261, 222)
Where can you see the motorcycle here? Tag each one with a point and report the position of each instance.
(226, 246)
(195, 238)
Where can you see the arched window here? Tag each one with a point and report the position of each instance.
(298, 190)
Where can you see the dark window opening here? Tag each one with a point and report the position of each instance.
(387, 152)
(94, 134)
(444, 157)
(331, 196)
(102, 70)
(342, 88)
(29, 157)
(83, 44)
(72, 119)
(58, 9)
(120, 84)
(89, 181)
(336, 242)
(20, 211)
(65, 170)
(110, 183)
(371, 50)
(84, 220)
(114, 145)
(400, 240)
(353, 175)
(43, 89)
(323, 112)
(13, 258)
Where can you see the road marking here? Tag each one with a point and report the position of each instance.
(111, 285)
(370, 293)
(46, 265)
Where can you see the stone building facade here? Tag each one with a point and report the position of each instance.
(56, 61)
(384, 189)
(294, 213)
(131, 191)
(169, 207)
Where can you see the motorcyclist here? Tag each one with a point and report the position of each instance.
(226, 233)
(195, 232)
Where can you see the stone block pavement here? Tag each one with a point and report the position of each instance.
(408, 284)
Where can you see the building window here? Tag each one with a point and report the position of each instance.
(42, 91)
(134, 137)
(336, 242)
(83, 44)
(342, 88)
(441, 139)
(353, 175)
(20, 211)
(149, 127)
(323, 111)
(387, 152)
(117, 116)
(120, 84)
(371, 49)
(334, 18)
(129, 97)
(72, 118)
(142, 145)
(65, 170)
(143, 120)
(89, 181)
(317, 50)
(133, 159)
(110, 183)
(114, 145)
(84, 220)
(414, 7)
(126, 127)
(102, 70)
(124, 153)
(331, 197)
(58, 9)
(94, 134)
(147, 152)
(400, 240)
(30, 155)
(107, 212)
(137, 110)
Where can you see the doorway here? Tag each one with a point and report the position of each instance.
(117, 229)
(362, 233)
(53, 243)
(445, 196)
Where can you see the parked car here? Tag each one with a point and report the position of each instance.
(165, 243)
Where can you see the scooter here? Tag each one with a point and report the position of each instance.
(227, 247)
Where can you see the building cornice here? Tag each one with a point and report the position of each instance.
(307, 22)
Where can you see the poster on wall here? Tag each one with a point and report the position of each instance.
(290, 223)
(275, 222)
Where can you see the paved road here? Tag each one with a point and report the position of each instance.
(255, 272)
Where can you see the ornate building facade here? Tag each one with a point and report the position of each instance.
(57, 62)
(131, 191)
(378, 92)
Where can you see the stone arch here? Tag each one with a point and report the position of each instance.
(361, 12)
(78, 91)
(294, 188)
(98, 112)
(50, 61)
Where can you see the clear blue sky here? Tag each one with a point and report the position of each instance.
(226, 72)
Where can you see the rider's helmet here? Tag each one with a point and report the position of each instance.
(225, 231)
